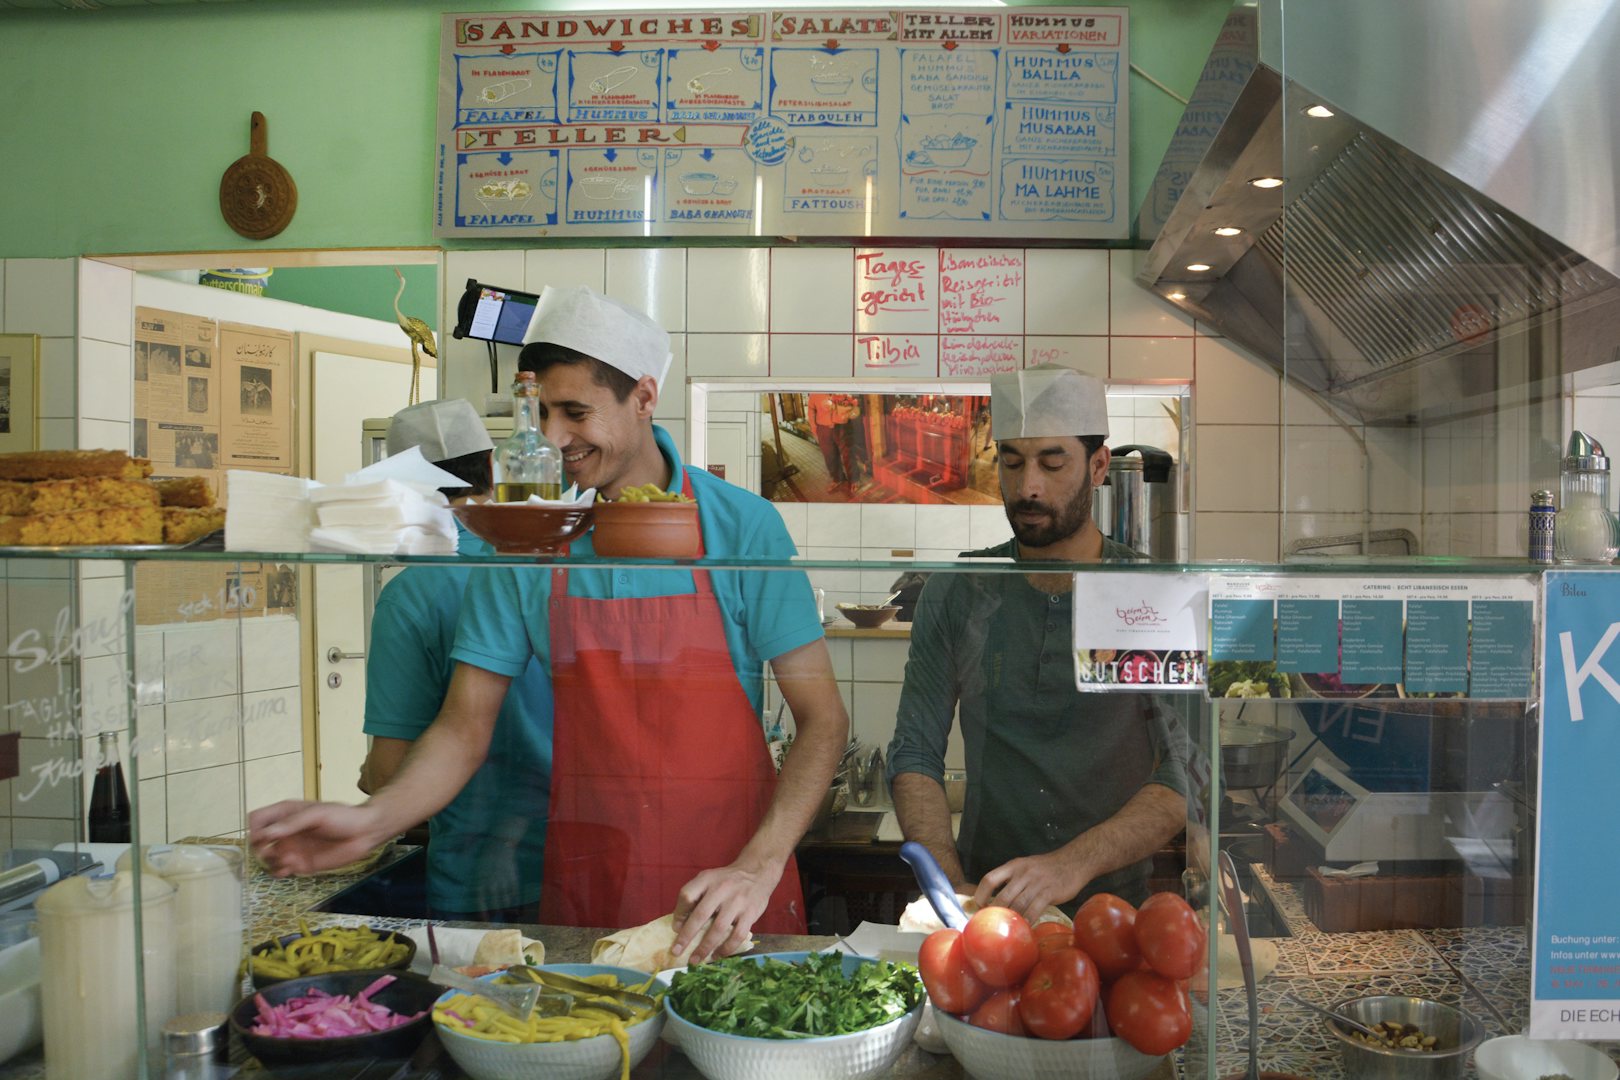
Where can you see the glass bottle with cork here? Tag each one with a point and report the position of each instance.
(526, 462)
(109, 817)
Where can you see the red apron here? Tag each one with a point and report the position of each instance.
(659, 767)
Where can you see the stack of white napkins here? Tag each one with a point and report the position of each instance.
(383, 517)
(268, 512)
(390, 508)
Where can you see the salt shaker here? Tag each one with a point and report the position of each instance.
(1542, 532)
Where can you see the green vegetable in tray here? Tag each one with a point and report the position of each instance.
(778, 1000)
(1247, 679)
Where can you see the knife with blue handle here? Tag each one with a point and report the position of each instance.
(931, 879)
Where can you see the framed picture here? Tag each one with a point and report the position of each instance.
(19, 392)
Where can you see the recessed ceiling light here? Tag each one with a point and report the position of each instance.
(1177, 295)
(1321, 112)
(1228, 230)
(1267, 181)
(1198, 268)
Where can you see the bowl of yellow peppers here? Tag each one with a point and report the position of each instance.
(330, 949)
(647, 522)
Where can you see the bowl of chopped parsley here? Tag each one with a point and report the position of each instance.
(788, 1015)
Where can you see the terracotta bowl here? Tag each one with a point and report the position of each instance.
(650, 530)
(516, 529)
(868, 616)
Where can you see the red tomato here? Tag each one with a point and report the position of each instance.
(1149, 1011)
(1170, 936)
(1000, 946)
(1105, 926)
(951, 985)
(1041, 929)
(1059, 995)
(999, 1013)
(1051, 943)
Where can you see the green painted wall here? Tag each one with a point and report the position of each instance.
(115, 125)
(359, 290)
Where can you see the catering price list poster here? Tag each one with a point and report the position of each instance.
(1575, 932)
(858, 122)
(1381, 637)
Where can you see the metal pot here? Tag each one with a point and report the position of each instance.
(1252, 755)
(1457, 1032)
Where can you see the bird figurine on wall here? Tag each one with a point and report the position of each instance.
(421, 337)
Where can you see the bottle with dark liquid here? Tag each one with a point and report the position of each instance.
(527, 463)
(109, 798)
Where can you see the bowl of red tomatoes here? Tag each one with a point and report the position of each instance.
(1105, 999)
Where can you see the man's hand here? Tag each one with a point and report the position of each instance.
(733, 897)
(1031, 885)
(298, 837)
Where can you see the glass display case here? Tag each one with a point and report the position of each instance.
(1317, 786)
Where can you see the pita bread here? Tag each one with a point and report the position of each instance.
(504, 948)
(647, 947)
(920, 917)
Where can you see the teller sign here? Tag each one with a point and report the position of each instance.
(840, 123)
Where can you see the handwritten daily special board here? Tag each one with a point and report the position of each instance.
(962, 122)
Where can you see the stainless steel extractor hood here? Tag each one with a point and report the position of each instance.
(1453, 185)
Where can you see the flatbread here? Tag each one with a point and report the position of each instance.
(503, 948)
(647, 947)
(920, 917)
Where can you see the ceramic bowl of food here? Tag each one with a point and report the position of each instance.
(594, 1057)
(1517, 1057)
(990, 1054)
(868, 616)
(519, 529)
(403, 994)
(649, 530)
(1453, 1033)
(855, 1056)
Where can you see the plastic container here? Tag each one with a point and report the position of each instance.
(208, 922)
(89, 980)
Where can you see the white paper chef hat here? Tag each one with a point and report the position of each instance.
(582, 319)
(1045, 401)
(441, 429)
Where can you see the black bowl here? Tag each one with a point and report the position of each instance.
(407, 994)
(262, 981)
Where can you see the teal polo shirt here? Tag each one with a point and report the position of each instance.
(488, 845)
(766, 613)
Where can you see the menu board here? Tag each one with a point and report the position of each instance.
(865, 122)
(1385, 637)
(1575, 934)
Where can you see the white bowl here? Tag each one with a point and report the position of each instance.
(990, 1055)
(596, 1058)
(1515, 1057)
(863, 1054)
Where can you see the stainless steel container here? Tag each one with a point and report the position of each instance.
(1136, 506)
(1456, 1033)
(1252, 754)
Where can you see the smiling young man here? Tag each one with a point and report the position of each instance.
(1068, 794)
(663, 795)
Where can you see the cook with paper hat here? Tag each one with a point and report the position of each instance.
(1068, 794)
(663, 795)
(487, 847)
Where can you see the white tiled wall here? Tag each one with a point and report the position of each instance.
(201, 715)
